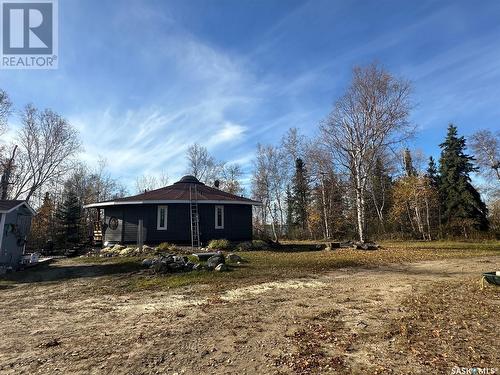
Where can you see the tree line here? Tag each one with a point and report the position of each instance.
(40, 163)
(357, 178)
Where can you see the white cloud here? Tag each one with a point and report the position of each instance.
(229, 132)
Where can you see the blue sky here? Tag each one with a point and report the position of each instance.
(142, 80)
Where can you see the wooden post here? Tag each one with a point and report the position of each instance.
(140, 234)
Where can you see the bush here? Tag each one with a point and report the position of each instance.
(165, 247)
(252, 245)
(221, 244)
(244, 246)
(259, 245)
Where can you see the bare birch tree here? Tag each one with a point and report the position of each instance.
(370, 117)
(151, 182)
(5, 109)
(486, 148)
(202, 165)
(231, 175)
(269, 186)
(47, 146)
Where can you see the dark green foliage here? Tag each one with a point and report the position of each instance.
(462, 207)
(432, 172)
(408, 164)
(69, 218)
(301, 192)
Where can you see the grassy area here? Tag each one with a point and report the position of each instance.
(262, 266)
(265, 266)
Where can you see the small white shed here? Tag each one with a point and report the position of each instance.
(15, 224)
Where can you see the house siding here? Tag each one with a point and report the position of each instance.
(10, 252)
(237, 223)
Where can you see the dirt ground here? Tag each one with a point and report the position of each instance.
(399, 319)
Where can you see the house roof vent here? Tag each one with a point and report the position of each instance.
(189, 180)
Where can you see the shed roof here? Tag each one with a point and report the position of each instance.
(7, 206)
(180, 192)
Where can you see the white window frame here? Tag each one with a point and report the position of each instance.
(158, 213)
(222, 209)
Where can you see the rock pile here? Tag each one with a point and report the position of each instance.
(174, 263)
(168, 263)
(215, 260)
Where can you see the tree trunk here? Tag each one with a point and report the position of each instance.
(427, 214)
(360, 214)
(327, 229)
(273, 224)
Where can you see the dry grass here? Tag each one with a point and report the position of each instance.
(262, 266)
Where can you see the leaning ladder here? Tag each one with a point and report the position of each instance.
(195, 222)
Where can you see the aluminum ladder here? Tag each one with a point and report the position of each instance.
(195, 221)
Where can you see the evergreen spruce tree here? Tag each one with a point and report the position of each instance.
(300, 195)
(462, 206)
(69, 216)
(408, 163)
(432, 172)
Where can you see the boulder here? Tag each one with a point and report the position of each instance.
(204, 256)
(175, 266)
(189, 266)
(160, 267)
(215, 260)
(147, 263)
(233, 258)
(365, 246)
(221, 268)
(197, 267)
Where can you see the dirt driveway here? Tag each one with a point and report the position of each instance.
(340, 322)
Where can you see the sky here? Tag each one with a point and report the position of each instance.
(142, 80)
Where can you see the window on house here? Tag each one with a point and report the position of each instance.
(162, 218)
(219, 217)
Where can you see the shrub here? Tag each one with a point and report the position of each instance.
(259, 245)
(244, 246)
(252, 245)
(221, 244)
(165, 247)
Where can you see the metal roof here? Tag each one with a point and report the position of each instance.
(7, 206)
(179, 192)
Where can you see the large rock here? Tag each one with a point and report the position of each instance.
(175, 266)
(221, 268)
(215, 260)
(197, 267)
(147, 263)
(365, 246)
(233, 258)
(205, 256)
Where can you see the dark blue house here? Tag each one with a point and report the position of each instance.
(187, 212)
